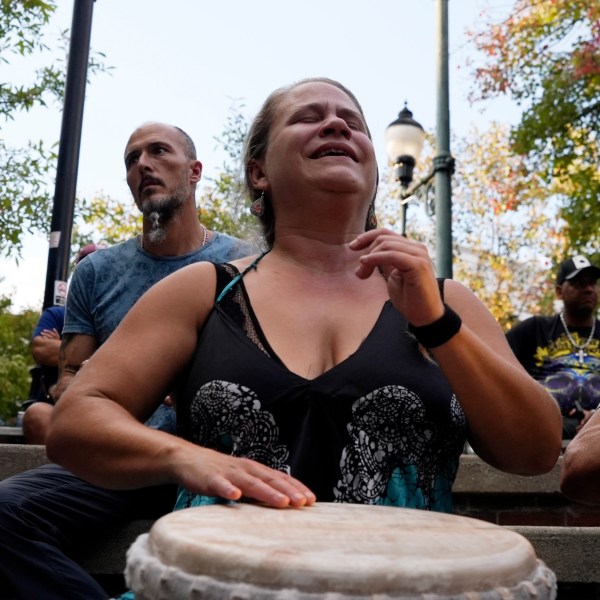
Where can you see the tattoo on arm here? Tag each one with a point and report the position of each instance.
(74, 349)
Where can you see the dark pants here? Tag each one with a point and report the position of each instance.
(46, 514)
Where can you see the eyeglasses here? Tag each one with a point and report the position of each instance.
(582, 282)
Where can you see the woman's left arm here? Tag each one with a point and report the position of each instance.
(514, 423)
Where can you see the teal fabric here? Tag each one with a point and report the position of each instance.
(187, 499)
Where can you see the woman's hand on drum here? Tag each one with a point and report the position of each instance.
(409, 272)
(230, 477)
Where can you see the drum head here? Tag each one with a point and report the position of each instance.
(354, 551)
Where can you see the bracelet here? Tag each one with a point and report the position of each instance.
(439, 332)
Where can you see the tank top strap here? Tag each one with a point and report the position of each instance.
(239, 276)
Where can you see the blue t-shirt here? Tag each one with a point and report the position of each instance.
(52, 318)
(108, 282)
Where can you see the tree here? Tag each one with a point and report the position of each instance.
(26, 172)
(506, 236)
(24, 201)
(546, 57)
(223, 204)
(15, 358)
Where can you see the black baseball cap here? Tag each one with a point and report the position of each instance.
(573, 266)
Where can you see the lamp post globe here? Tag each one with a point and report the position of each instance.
(404, 139)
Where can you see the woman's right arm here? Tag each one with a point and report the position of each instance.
(97, 426)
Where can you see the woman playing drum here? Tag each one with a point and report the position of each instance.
(333, 366)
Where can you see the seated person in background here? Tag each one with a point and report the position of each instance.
(563, 352)
(333, 366)
(45, 347)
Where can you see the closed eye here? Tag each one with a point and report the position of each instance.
(304, 116)
(355, 125)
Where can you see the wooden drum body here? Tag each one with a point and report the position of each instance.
(332, 552)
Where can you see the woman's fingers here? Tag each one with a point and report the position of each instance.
(232, 477)
(296, 491)
(267, 485)
(389, 251)
(409, 271)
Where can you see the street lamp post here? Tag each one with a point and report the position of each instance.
(404, 142)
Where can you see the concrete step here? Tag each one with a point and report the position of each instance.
(11, 435)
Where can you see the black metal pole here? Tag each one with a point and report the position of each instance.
(68, 155)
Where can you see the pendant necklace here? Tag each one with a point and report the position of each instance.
(580, 347)
(204, 239)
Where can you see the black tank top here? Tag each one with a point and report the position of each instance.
(381, 427)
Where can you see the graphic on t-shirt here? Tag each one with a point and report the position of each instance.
(573, 383)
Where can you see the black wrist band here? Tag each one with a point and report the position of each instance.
(440, 331)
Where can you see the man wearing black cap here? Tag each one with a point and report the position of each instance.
(563, 352)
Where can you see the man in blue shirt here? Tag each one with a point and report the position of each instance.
(46, 512)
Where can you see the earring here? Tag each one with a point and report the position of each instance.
(371, 217)
(257, 208)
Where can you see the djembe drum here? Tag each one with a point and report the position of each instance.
(332, 552)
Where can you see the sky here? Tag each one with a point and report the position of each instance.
(186, 62)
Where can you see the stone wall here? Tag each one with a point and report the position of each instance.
(485, 493)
